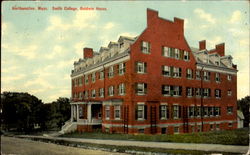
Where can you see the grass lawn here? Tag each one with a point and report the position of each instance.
(227, 137)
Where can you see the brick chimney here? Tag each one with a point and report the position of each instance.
(87, 53)
(220, 49)
(152, 16)
(202, 45)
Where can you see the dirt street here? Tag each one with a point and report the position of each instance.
(16, 146)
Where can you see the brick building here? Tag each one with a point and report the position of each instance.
(154, 83)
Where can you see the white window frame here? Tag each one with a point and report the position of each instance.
(86, 79)
(117, 112)
(176, 72)
(164, 109)
(101, 76)
(121, 68)
(107, 112)
(140, 67)
(205, 92)
(229, 93)
(167, 89)
(166, 71)
(206, 76)
(189, 73)
(166, 51)
(217, 77)
(93, 93)
(142, 92)
(111, 72)
(229, 77)
(186, 56)
(145, 47)
(140, 108)
(176, 90)
(111, 91)
(198, 74)
(93, 77)
(191, 111)
(177, 54)
(121, 89)
(101, 92)
(229, 112)
(189, 92)
(217, 93)
(176, 111)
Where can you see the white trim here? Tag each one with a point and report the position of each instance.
(216, 69)
(93, 70)
(140, 103)
(117, 61)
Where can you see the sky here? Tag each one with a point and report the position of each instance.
(39, 47)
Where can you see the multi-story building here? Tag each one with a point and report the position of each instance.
(154, 83)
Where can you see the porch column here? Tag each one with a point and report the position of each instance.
(72, 115)
(89, 113)
(77, 112)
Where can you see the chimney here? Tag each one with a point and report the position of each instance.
(220, 49)
(180, 24)
(152, 16)
(202, 45)
(87, 53)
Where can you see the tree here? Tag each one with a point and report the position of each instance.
(243, 105)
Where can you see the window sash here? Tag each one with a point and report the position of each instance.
(117, 110)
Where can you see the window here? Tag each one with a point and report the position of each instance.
(191, 111)
(121, 89)
(141, 67)
(93, 93)
(206, 75)
(101, 92)
(197, 92)
(217, 126)
(86, 79)
(189, 73)
(166, 70)
(111, 72)
(198, 75)
(189, 92)
(177, 72)
(230, 124)
(166, 51)
(177, 54)
(86, 94)
(163, 112)
(176, 130)
(205, 111)
(217, 93)
(141, 88)
(165, 90)
(198, 111)
(111, 91)
(117, 111)
(217, 63)
(176, 112)
(107, 112)
(145, 48)
(217, 77)
(93, 77)
(80, 95)
(229, 77)
(122, 68)
(210, 111)
(217, 111)
(229, 93)
(186, 55)
(229, 110)
(140, 112)
(206, 92)
(80, 81)
(101, 76)
(177, 91)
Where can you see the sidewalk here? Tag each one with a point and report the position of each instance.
(165, 145)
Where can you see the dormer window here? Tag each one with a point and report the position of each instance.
(145, 47)
(217, 63)
(121, 44)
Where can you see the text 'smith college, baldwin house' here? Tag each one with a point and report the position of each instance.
(154, 84)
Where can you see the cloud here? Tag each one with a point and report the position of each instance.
(109, 25)
(57, 51)
(186, 21)
(244, 42)
(9, 79)
(40, 82)
(203, 15)
(56, 23)
(213, 41)
(236, 16)
(28, 51)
